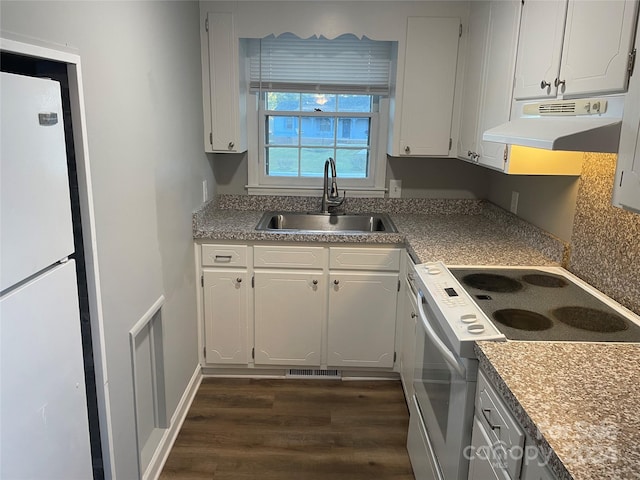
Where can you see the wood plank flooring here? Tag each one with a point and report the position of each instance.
(240, 429)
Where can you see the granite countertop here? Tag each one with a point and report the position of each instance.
(457, 232)
(579, 401)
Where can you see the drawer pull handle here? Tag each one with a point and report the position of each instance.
(491, 425)
(223, 258)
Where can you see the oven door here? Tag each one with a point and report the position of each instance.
(444, 390)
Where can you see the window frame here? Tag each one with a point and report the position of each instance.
(371, 186)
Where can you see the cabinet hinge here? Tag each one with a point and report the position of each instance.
(394, 357)
(206, 24)
(450, 143)
(459, 36)
(632, 61)
(621, 177)
(253, 353)
(211, 138)
(202, 280)
(398, 285)
(506, 153)
(204, 352)
(253, 282)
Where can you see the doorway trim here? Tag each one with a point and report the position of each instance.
(34, 48)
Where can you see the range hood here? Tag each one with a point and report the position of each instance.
(582, 125)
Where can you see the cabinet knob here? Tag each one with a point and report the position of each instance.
(413, 315)
(231, 145)
(407, 149)
(239, 280)
(315, 282)
(336, 282)
(557, 82)
(544, 84)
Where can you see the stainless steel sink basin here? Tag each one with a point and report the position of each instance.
(319, 222)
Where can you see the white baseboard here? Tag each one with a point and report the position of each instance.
(169, 437)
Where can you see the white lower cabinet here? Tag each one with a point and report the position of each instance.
(362, 319)
(289, 315)
(226, 315)
(409, 319)
(299, 305)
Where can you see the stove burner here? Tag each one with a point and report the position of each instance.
(492, 283)
(590, 319)
(541, 280)
(522, 319)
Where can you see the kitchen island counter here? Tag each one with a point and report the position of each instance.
(578, 401)
(455, 232)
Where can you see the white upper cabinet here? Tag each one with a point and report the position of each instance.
(574, 48)
(223, 85)
(488, 79)
(539, 48)
(422, 123)
(626, 189)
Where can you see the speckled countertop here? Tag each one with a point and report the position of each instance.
(579, 401)
(461, 232)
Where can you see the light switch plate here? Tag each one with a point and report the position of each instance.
(395, 188)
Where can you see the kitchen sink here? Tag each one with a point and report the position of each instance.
(320, 222)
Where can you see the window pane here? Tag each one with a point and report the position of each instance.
(282, 130)
(354, 103)
(352, 163)
(312, 161)
(324, 102)
(353, 132)
(283, 101)
(282, 161)
(317, 131)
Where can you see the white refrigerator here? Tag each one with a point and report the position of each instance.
(44, 428)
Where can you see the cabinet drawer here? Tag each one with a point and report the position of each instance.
(288, 257)
(224, 255)
(364, 258)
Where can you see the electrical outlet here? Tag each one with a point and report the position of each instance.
(514, 201)
(205, 191)
(395, 188)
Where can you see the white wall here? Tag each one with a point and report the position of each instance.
(142, 86)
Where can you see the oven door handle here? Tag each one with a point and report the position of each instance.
(442, 348)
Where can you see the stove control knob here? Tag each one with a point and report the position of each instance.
(468, 318)
(476, 328)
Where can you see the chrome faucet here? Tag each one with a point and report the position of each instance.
(330, 195)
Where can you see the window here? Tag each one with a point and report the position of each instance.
(318, 98)
(301, 130)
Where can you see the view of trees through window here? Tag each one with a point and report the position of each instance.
(303, 129)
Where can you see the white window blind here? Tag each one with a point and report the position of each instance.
(346, 64)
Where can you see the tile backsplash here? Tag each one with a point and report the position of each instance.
(605, 244)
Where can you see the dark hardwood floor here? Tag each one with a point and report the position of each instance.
(239, 429)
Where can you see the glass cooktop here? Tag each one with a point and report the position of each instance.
(531, 304)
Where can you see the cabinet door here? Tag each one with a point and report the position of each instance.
(224, 87)
(539, 48)
(476, 40)
(495, 107)
(597, 41)
(362, 319)
(429, 82)
(226, 308)
(289, 314)
(407, 357)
